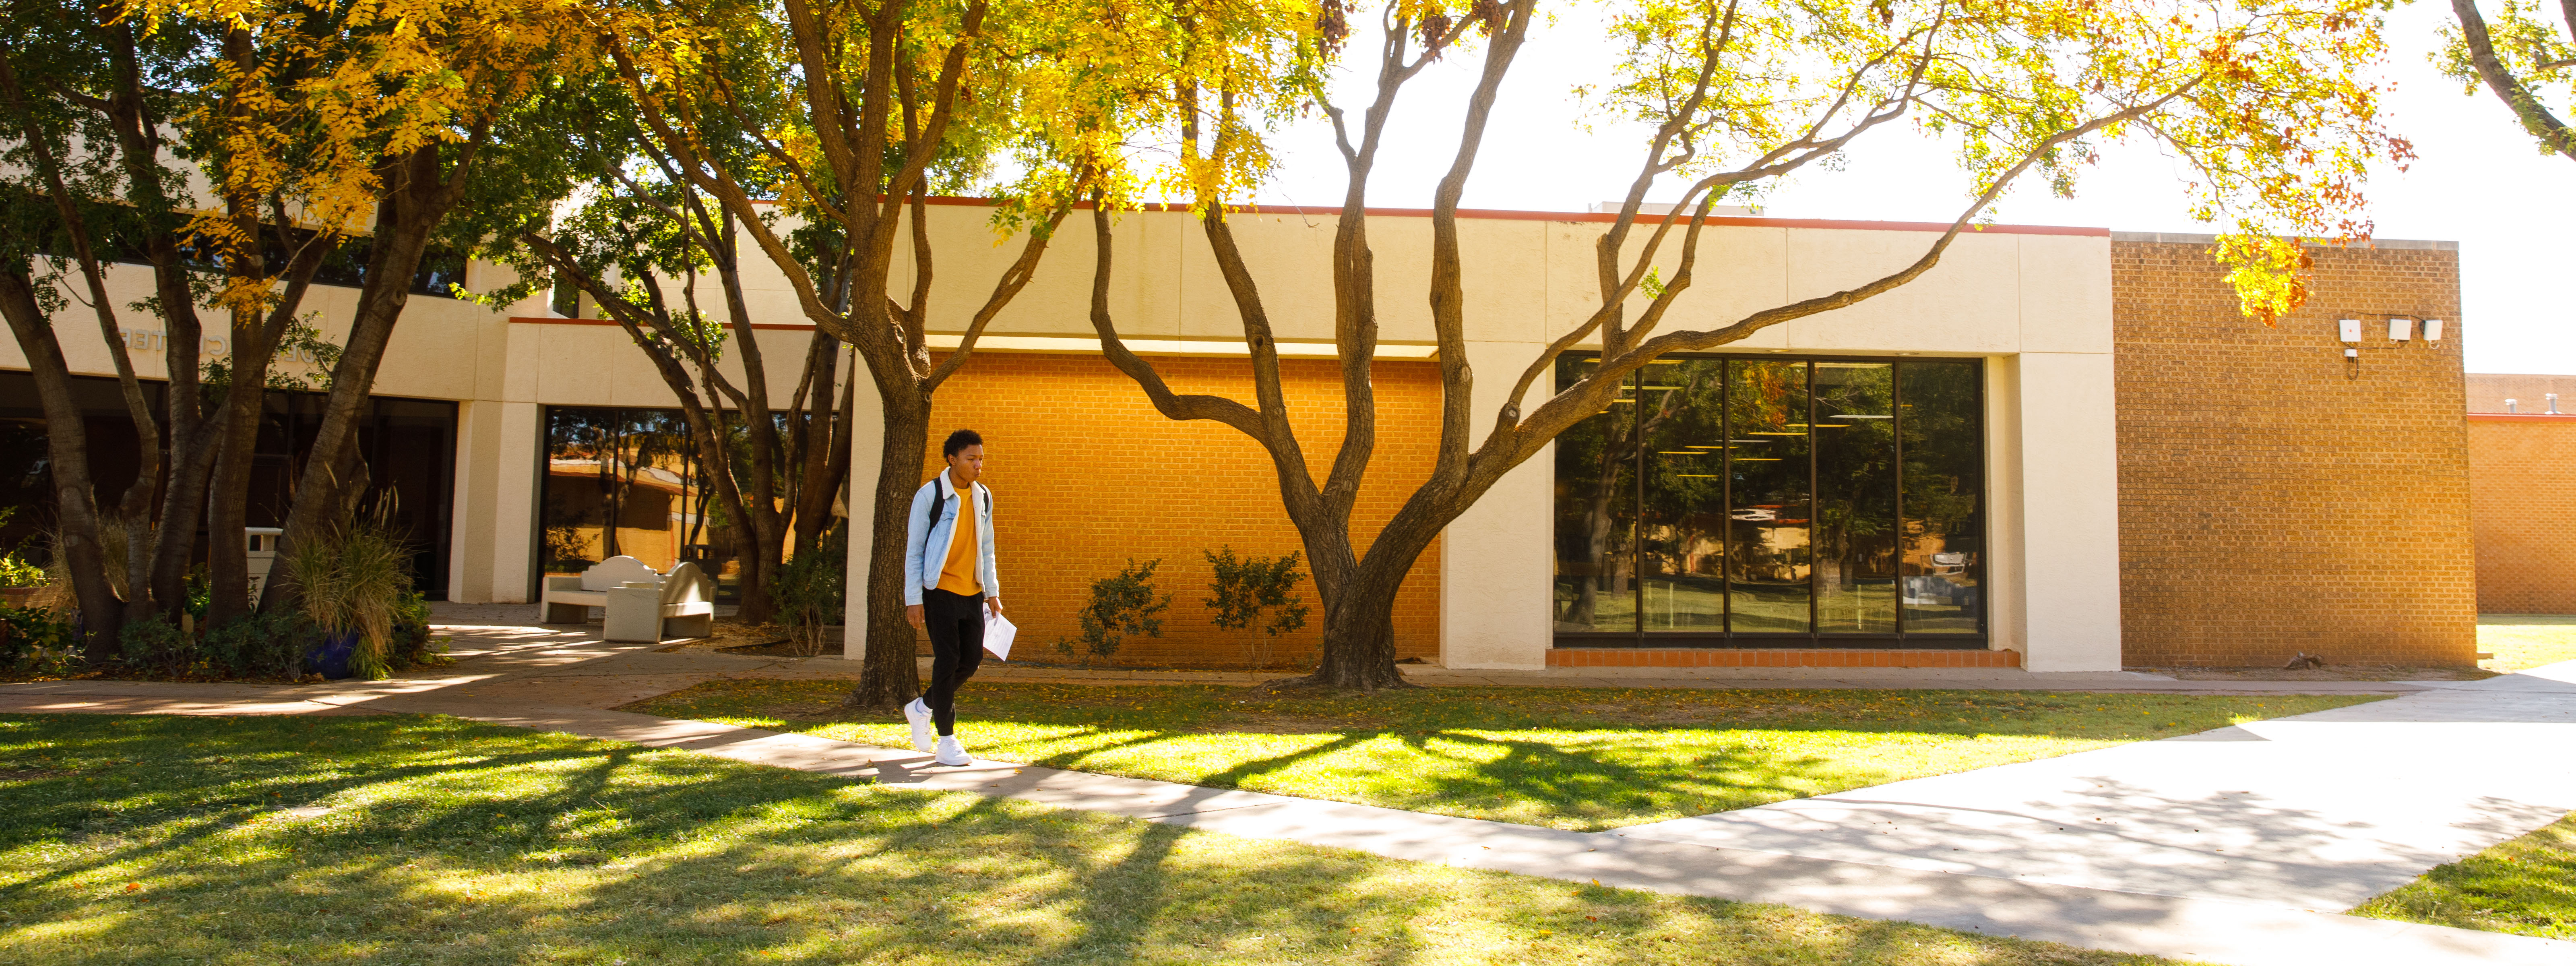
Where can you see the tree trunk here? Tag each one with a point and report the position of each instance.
(227, 512)
(890, 676)
(192, 441)
(1359, 631)
(827, 448)
(235, 436)
(67, 444)
(402, 236)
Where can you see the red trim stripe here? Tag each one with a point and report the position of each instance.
(551, 320)
(2522, 417)
(1499, 214)
(1780, 657)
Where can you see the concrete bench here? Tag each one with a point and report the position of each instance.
(568, 600)
(683, 604)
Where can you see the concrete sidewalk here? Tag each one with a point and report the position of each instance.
(2320, 811)
(2235, 846)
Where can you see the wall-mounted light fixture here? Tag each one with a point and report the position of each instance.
(2432, 330)
(2401, 330)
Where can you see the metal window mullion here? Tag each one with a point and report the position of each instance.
(1726, 498)
(1985, 543)
(1896, 409)
(1813, 517)
(1637, 510)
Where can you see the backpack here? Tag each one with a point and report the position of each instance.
(938, 506)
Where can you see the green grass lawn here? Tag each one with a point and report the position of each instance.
(2525, 885)
(1561, 757)
(170, 840)
(2521, 641)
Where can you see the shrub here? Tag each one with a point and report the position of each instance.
(810, 590)
(262, 645)
(15, 571)
(38, 639)
(155, 646)
(413, 645)
(1245, 587)
(1120, 605)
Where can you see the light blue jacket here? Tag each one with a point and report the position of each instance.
(924, 554)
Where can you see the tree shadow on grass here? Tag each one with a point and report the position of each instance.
(1580, 784)
(1567, 758)
(256, 779)
(698, 859)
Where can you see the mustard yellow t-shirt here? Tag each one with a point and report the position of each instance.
(958, 575)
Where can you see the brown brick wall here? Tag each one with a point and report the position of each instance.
(1085, 475)
(2520, 473)
(2276, 497)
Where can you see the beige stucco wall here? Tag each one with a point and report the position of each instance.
(2037, 306)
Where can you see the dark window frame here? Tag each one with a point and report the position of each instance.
(546, 480)
(1812, 639)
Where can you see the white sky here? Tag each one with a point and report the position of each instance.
(2480, 181)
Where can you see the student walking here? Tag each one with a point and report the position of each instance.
(948, 584)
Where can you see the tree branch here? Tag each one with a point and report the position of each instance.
(2526, 106)
(1170, 404)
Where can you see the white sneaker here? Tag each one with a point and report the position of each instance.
(919, 714)
(952, 753)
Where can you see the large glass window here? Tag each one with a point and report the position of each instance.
(1855, 430)
(406, 453)
(1770, 515)
(1681, 524)
(628, 482)
(1944, 500)
(1596, 514)
(1773, 500)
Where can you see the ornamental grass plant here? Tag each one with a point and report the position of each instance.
(353, 579)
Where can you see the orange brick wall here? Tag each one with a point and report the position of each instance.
(1086, 474)
(2276, 497)
(2520, 473)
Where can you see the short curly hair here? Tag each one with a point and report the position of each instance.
(958, 441)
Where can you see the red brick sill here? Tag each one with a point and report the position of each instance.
(1780, 657)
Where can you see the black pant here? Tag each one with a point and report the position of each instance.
(956, 625)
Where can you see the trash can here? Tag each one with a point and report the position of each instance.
(263, 555)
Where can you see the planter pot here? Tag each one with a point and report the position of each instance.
(331, 657)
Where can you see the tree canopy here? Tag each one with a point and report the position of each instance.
(2269, 102)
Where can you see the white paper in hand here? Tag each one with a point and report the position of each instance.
(998, 632)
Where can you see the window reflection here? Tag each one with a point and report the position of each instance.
(1681, 526)
(1768, 514)
(628, 482)
(1596, 509)
(1768, 511)
(1764, 496)
(1855, 549)
(1944, 480)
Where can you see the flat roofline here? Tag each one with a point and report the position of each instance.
(1495, 214)
(2181, 238)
